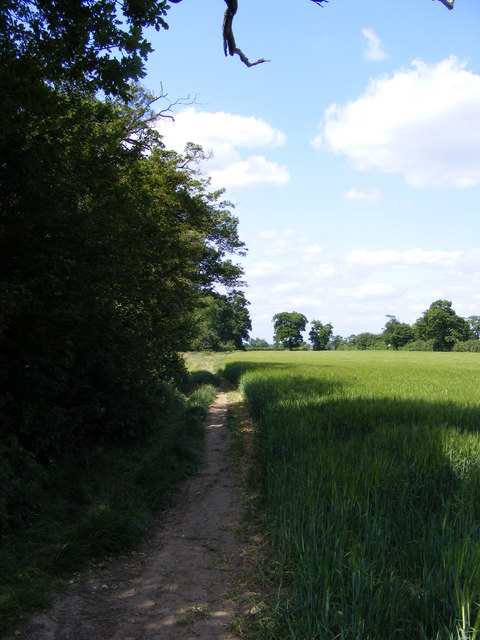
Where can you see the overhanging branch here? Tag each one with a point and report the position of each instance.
(229, 45)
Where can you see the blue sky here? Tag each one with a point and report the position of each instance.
(352, 158)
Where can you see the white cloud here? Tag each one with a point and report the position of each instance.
(362, 196)
(421, 122)
(392, 257)
(324, 271)
(373, 289)
(276, 248)
(366, 290)
(311, 253)
(262, 268)
(273, 234)
(354, 290)
(225, 135)
(285, 287)
(218, 128)
(254, 171)
(274, 242)
(373, 50)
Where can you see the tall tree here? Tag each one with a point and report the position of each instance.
(222, 321)
(441, 324)
(288, 327)
(320, 335)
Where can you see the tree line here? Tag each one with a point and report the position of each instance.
(439, 328)
(113, 249)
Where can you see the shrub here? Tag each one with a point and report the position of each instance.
(468, 345)
(418, 345)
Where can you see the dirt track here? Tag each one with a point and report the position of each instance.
(176, 585)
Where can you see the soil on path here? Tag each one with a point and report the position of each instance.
(176, 585)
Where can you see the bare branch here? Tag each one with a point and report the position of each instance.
(229, 45)
(166, 112)
(448, 3)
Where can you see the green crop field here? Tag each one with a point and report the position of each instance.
(371, 481)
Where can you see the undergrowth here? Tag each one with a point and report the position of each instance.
(97, 504)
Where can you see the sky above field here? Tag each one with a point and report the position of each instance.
(352, 157)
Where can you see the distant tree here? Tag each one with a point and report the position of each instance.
(366, 340)
(257, 344)
(441, 324)
(474, 322)
(337, 342)
(288, 327)
(320, 335)
(397, 333)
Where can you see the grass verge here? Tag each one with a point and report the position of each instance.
(255, 593)
(99, 504)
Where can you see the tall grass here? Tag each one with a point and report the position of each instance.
(371, 472)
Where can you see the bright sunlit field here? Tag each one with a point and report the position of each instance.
(371, 471)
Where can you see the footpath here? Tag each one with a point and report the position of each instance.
(176, 586)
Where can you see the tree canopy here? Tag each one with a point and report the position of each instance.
(396, 333)
(94, 44)
(221, 322)
(288, 327)
(320, 335)
(441, 324)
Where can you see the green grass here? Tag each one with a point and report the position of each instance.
(210, 361)
(95, 505)
(371, 483)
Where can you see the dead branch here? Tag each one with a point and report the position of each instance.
(229, 45)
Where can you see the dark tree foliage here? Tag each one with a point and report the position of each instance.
(94, 44)
(105, 250)
(222, 322)
(107, 241)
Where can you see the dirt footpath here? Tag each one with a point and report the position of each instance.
(177, 585)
